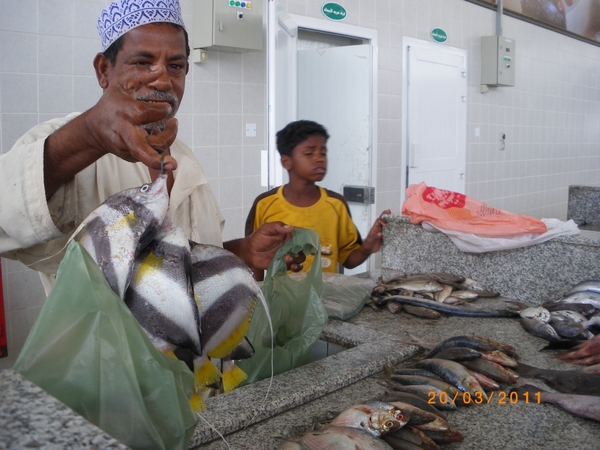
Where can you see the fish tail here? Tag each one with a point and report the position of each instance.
(232, 376)
(170, 353)
(205, 373)
(197, 402)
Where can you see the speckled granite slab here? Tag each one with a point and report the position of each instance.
(370, 352)
(584, 205)
(30, 418)
(534, 274)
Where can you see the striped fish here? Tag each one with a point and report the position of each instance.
(115, 232)
(226, 293)
(161, 296)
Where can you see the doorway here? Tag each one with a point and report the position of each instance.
(312, 63)
(435, 108)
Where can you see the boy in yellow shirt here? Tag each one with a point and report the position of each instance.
(301, 203)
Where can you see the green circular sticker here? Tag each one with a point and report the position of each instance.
(439, 35)
(333, 11)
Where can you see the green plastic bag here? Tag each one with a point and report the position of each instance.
(297, 314)
(87, 350)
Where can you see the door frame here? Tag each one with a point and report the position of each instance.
(291, 23)
(407, 42)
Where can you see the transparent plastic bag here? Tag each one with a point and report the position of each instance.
(87, 350)
(297, 314)
(344, 296)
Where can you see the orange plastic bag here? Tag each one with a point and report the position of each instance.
(454, 211)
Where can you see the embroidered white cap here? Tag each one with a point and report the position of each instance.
(122, 16)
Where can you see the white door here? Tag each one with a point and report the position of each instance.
(342, 104)
(344, 97)
(436, 89)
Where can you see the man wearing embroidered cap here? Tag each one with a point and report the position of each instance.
(61, 170)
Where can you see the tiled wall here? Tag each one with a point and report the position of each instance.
(551, 118)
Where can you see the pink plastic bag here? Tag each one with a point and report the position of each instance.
(455, 211)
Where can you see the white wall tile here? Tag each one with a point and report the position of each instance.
(56, 17)
(56, 94)
(18, 93)
(19, 15)
(18, 52)
(55, 55)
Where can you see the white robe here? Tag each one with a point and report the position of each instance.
(36, 232)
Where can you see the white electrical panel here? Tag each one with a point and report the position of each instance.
(498, 61)
(228, 25)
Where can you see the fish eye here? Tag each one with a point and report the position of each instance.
(145, 187)
(362, 424)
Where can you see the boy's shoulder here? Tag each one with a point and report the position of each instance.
(266, 194)
(336, 197)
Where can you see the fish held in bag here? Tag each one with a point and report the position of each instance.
(226, 292)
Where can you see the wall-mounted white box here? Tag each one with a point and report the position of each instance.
(228, 25)
(498, 58)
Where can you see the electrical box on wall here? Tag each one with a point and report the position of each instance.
(228, 25)
(498, 61)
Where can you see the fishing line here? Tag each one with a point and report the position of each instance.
(215, 430)
(263, 300)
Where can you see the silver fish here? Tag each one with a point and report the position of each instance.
(571, 315)
(589, 285)
(593, 321)
(338, 438)
(226, 293)
(115, 232)
(453, 373)
(466, 310)
(587, 297)
(566, 328)
(372, 419)
(587, 406)
(537, 312)
(540, 329)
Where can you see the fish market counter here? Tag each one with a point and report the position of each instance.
(264, 414)
(30, 418)
(386, 337)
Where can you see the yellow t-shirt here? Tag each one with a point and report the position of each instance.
(329, 217)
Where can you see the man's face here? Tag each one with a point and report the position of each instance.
(157, 52)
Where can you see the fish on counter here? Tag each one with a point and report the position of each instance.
(571, 317)
(587, 406)
(443, 288)
(565, 381)
(336, 438)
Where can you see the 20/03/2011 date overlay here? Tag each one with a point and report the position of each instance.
(499, 398)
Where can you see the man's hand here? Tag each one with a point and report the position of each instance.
(116, 121)
(113, 125)
(259, 248)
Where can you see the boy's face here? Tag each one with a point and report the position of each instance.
(308, 160)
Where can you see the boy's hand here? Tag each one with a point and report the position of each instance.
(371, 244)
(374, 239)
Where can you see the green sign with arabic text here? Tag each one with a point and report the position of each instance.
(334, 11)
(439, 35)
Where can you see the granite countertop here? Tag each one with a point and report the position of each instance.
(30, 418)
(490, 426)
(262, 415)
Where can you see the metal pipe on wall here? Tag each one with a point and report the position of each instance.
(499, 12)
